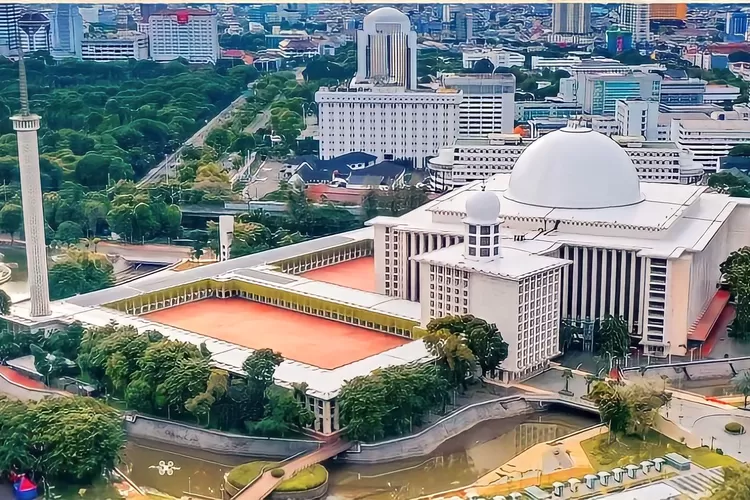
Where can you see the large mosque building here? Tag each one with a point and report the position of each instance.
(570, 234)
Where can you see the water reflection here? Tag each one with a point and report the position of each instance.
(457, 462)
(18, 286)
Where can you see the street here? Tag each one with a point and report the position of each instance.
(265, 180)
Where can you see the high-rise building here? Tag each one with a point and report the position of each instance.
(446, 14)
(488, 105)
(618, 40)
(9, 36)
(34, 31)
(387, 49)
(736, 26)
(598, 93)
(636, 117)
(188, 33)
(66, 31)
(464, 24)
(26, 125)
(571, 18)
(636, 18)
(668, 11)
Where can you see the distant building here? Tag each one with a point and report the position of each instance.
(599, 93)
(571, 18)
(636, 117)
(9, 35)
(66, 30)
(533, 110)
(147, 9)
(188, 33)
(387, 49)
(464, 24)
(618, 40)
(736, 26)
(635, 18)
(498, 57)
(710, 140)
(488, 105)
(683, 92)
(119, 46)
(668, 11)
(34, 31)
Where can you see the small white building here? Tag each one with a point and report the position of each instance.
(497, 56)
(188, 33)
(119, 46)
(638, 117)
(488, 105)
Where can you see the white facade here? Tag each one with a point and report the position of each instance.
(469, 160)
(387, 49)
(636, 18)
(554, 63)
(387, 122)
(709, 140)
(488, 105)
(119, 47)
(9, 14)
(34, 32)
(649, 252)
(188, 33)
(721, 93)
(498, 57)
(636, 117)
(571, 18)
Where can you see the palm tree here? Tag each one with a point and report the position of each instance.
(736, 484)
(741, 383)
(664, 379)
(567, 374)
(590, 379)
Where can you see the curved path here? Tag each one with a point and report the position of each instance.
(266, 483)
(16, 386)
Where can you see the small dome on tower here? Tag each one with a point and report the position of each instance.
(483, 207)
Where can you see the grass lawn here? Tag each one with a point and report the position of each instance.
(631, 450)
(306, 479)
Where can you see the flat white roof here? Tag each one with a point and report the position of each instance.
(657, 491)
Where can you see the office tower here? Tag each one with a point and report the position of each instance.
(188, 33)
(151, 8)
(26, 125)
(34, 31)
(464, 24)
(9, 14)
(668, 11)
(387, 49)
(488, 105)
(446, 13)
(66, 30)
(571, 18)
(636, 18)
(736, 26)
(598, 93)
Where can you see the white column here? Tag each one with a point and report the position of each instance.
(631, 292)
(613, 259)
(585, 282)
(26, 127)
(565, 276)
(430, 243)
(413, 282)
(623, 291)
(576, 285)
(594, 267)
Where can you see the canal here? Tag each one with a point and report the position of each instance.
(458, 462)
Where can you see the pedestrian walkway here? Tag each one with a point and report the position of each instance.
(266, 483)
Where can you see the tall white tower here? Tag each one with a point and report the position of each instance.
(636, 18)
(482, 227)
(387, 49)
(26, 125)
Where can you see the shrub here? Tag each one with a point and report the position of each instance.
(734, 428)
(277, 472)
(719, 451)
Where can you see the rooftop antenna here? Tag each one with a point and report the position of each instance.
(484, 183)
(22, 83)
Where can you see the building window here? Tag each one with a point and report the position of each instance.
(484, 252)
(472, 229)
(472, 240)
(485, 230)
(472, 251)
(484, 240)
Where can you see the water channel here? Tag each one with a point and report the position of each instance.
(458, 462)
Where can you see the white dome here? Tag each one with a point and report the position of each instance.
(574, 168)
(482, 208)
(385, 15)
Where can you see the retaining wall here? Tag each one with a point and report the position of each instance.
(428, 440)
(180, 434)
(706, 369)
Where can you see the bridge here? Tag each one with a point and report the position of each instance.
(264, 484)
(234, 208)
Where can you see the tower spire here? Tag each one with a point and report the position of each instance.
(22, 85)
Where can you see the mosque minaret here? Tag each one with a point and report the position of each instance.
(26, 125)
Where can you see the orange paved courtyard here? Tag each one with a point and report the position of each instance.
(357, 273)
(316, 341)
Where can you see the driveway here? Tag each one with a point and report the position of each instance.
(264, 181)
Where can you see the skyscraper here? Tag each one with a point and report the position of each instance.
(571, 18)
(387, 49)
(66, 31)
(26, 125)
(636, 18)
(9, 14)
(464, 24)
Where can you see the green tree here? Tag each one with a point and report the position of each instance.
(452, 354)
(71, 277)
(69, 232)
(283, 414)
(5, 302)
(736, 483)
(11, 219)
(735, 271)
(611, 336)
(482, 338)
(742, 149)
(630, 409)
(139, 396)
(741, 383)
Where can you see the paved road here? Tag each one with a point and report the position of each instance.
(150, 253)
(265, 180)
(167, 166)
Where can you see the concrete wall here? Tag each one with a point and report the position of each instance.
(429, 439)
(695, 370)
(676, 432)
(216, 442)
